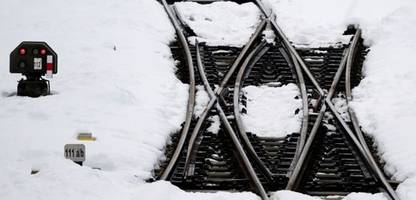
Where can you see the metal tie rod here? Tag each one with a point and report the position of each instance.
(236, 100)
(301, 81)
(294, 178)
(191, 99)
(233, 135)
(359, 144)
(328, 102)
(218, 91)
(355, 123)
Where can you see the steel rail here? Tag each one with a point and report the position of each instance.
(178, 16)
(293, 182)
(369, 162)
(305, 110)
(202, 117)
(360, 143)
(191, 99)
(263, 8)
(296, 60)
(241, 56)
(331, 106)
(327, 100)
(350, 133)
(271, 16)
(240, 125)
(231, 132)
(355, 122)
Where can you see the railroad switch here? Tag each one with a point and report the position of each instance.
(33, 60)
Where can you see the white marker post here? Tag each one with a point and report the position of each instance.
(49, 66)
(75, 152)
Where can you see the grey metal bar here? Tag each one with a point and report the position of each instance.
(240, 125)
(322, 93)
(263, 8)
(301, 82)
(305, 108)
(298, 58)
(241, 56)
(293, 182)
(233, 135)
(191, 99)
(201, 119)
(355, 123)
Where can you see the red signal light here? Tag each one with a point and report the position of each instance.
(22, 51)
(43, 52)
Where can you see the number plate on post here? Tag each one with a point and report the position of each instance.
(37, 63)
(75, 152)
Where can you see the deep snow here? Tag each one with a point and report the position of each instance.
(131, 100)
(220, 23)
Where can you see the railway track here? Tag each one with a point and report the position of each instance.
(328, 156)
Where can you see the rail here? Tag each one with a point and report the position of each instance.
(191, 99)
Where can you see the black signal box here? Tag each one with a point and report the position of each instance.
(33, 60)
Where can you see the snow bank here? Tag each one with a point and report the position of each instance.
(313, 23)
(271, 110)
(385, 100)
(220, 23)
(366, 196)
(290, 195)
(165, 191)
(129, 98)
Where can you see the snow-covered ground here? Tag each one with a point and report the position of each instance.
(272, 110)
(129, 98)
(220, 23)
(131, 101)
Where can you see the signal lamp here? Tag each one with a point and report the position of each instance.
(43, 52)
(22, 51)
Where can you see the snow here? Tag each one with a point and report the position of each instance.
(116, 79)
(269, 36)
(271, 110)
(290, 195)
(313, 23)
(201, 100)
(220, 23)
(215, 126)
(169, 192)
(341, 106)
(367, 196)
(129, 99)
